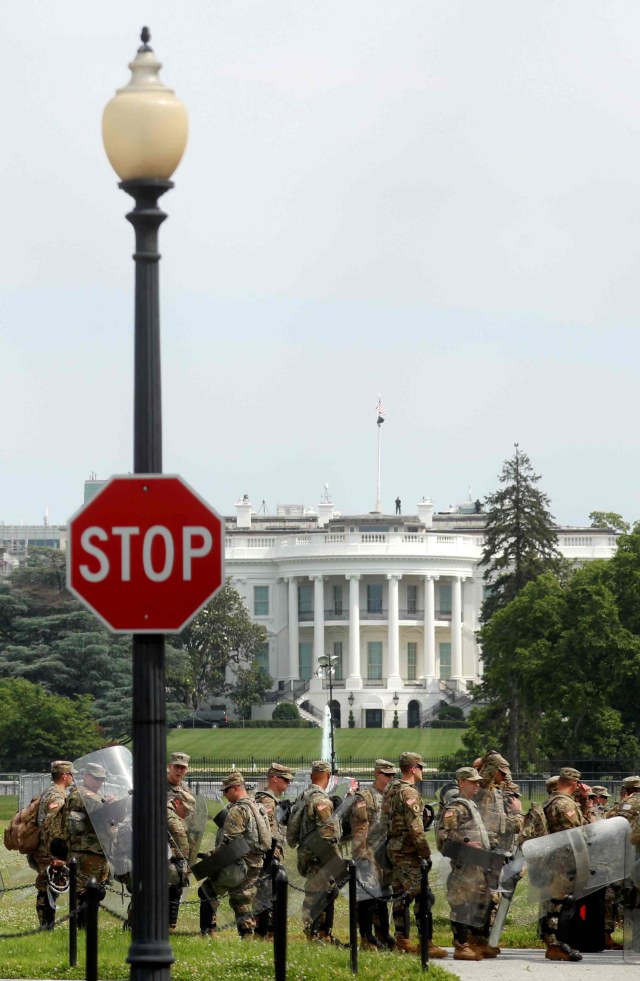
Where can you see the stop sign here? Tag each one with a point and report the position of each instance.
(145, 554)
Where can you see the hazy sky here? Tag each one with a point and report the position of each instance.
(438, 201)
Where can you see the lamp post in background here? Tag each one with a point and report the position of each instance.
(326, 669)
(144, 130)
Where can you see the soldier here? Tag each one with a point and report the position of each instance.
(278, 779)
(367, 831)
(501, 813)
(407, 844)
(73, 835)
(179, 808)
(176, 772)
(468, 891)
(562, 814)
(52, 799)
(313, 830)
(601, 802)
(629, 804)
(246, 824)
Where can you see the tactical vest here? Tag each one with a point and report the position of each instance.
(475, 830)
(300, 823)
(259, 830)
(377, 828)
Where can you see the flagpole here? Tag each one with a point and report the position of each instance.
(380, 413)
(378, 497)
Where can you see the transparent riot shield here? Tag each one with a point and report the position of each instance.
(472, 875)
(104, 780)
(196, 824)
(510, 875)
(631, 900)
(576, 862)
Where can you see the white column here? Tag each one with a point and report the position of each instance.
(429, 662)
(318, 619)
(354, 678)
(294, 631)
(393, 668)
(456, 629)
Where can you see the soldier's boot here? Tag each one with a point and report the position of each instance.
(247, 933)
(561, 952)
(465, 952)
(404, 945)
(381, 926)
(437, 952)
(369, 943)
(481, 945)
(610, 943)
(174, 908)
(207, 918)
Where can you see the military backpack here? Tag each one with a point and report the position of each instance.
(535, 823)
(23, 833)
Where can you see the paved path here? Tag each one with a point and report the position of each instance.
(520, 965)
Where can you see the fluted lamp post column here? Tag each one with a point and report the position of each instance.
(144, 129)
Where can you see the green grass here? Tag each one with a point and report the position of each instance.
(295, 744)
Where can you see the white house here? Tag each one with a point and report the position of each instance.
(395, 598)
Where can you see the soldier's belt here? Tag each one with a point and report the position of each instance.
(223, 856)
(464, 854)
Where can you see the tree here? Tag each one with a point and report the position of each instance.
(610, 520)
(249, 688)
(286, 712)
(36, 726)
(520, 540)
(222, 636)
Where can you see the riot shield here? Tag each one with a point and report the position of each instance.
(510, 875)
(472, 874)
(631, 900)
(491, 805)
(576, 862)
(109, 807)
(196, 824)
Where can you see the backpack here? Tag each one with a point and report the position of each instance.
(23, 833)
(535, 824)
(262, 837)
(295, 822)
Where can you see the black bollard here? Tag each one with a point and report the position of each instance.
(353, 916)
(425, 914)
(93, 901)
(280, 889)
(73, 919)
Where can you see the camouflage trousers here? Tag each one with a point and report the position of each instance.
(45, 911)
(406, 885)
(91, 865)
(320, 893)
(241, 900)
(470, 898)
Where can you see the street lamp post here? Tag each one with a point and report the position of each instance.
(144, 130)
(326, 668)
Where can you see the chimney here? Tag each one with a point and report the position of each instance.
(425, 512)
(243, 513)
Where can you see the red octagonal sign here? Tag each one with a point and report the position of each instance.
(145, 554)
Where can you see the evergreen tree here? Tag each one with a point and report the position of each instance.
(520, 540)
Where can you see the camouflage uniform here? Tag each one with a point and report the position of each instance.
(269, 801)
(179, 860)
(562, 813)
(72, 824)
(493, 801)
(627, 807)
(239, 822)
(468, 887)
(51, 801)
(368, 831)
(407, 844)
(320, 888)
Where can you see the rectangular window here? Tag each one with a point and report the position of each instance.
(305, 599)
(305, 651)
(337, 652)
(412, 598)
(374, 660)
(374, 597)
(261, 601)
(262, 657)
(412, 660)
(445, 661)
(444, 598)
(337, 599)
(373, 718)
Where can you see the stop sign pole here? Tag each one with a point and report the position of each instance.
(144, 132)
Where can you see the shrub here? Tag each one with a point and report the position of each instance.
(285, 711)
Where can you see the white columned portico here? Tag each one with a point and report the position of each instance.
(456, 629)
(294, 630)
(354, 678)
(429, 663)
(393, 669)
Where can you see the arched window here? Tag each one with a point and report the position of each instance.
(334, 708)
(413, 714)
